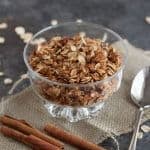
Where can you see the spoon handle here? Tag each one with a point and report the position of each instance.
(136, 129)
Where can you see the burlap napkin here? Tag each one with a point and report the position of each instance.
(117, 116)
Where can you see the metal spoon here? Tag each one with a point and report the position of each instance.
(140, 94)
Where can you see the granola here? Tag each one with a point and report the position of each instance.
(78, 60)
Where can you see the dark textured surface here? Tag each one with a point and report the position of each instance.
(123, 16)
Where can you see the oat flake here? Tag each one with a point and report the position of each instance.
(38, 41)
(104, 37)
(140, 135)
(2, 40)
(24, 76)
(73, 48)
(3, 25)
(145, 128)
(81, 59)
(1, 74)
(20, 30)
(8, 81)
(79, 20)
(147, 19)
(54, 22)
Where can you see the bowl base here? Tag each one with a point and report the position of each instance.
(73, 114)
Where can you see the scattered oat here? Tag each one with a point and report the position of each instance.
(79, 20)
(26, 37)
(145, 128)
(20, 30)
(1, 74)
(147, 19)
(140, 135)
(38, 41)
(3, 25)
(82, 34)
(24, 76)
(2, 40)
(8, 81)
(26, 40)
(104, 37)
(54, 22)
(41, 40)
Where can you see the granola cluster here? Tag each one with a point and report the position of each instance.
(80, 60)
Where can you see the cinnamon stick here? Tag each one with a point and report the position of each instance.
(30, 140)
(28, 129)
(40, 144)
(70, 138)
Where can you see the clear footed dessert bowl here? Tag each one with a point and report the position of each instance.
(74, 67)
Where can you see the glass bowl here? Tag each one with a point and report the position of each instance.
(75, 101)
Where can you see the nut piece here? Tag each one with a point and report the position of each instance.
(8, 81)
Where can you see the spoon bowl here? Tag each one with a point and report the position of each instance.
(140, 95)
(140, 90)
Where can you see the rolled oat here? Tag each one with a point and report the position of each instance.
(3, 25)
(8, 81)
